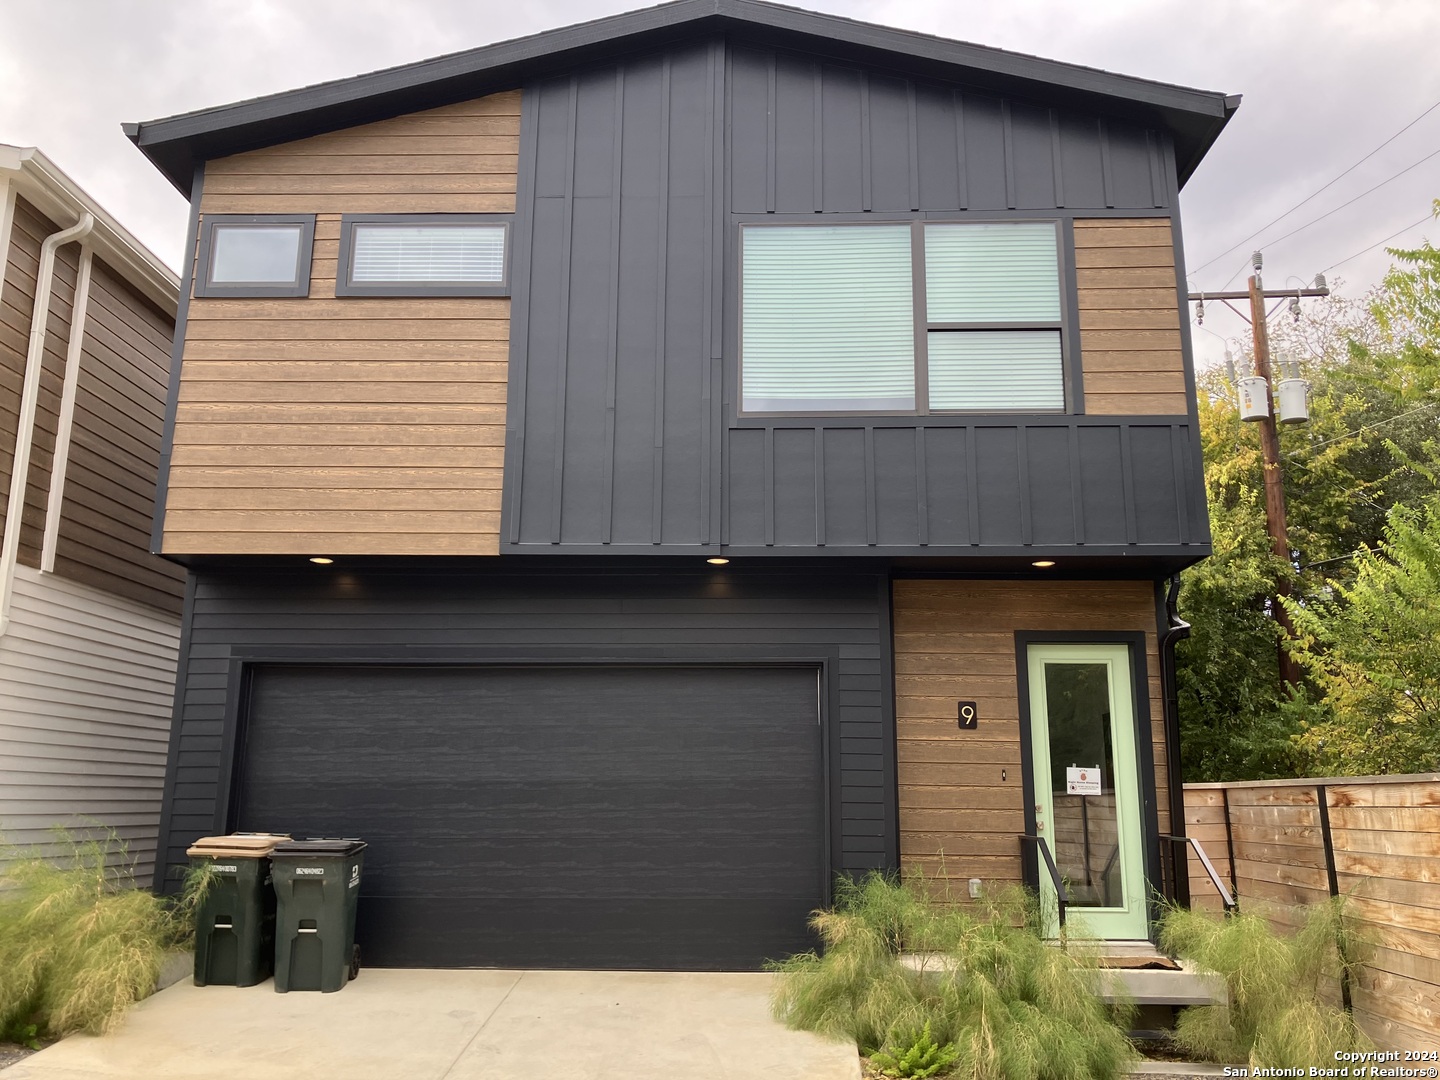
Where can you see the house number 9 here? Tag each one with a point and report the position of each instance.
(969, 715)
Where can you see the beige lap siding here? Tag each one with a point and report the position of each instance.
(359, 425)
(1131, 354)
(961, 792)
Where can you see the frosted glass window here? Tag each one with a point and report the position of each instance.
(996, 370)
(459, 254)
(255, 254)
(994, 272)
(828, 319)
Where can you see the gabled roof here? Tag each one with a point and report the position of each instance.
(51, 191)
(177, 144)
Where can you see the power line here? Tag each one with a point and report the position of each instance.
(1372, 247)
(1357, 198)
(1311, 447)
(1317, 191)
(1342, 206)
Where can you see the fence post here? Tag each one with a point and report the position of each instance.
(1322, 802)
(1230, 845)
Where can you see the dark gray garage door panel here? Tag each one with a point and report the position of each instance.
(554, 816)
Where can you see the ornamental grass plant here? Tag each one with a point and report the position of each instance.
(1278, 1015)
(984, 985)
(79, 943)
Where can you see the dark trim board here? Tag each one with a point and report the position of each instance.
(177, 353)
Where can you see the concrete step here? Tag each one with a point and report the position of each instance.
(1142, 986)
(1155, 987)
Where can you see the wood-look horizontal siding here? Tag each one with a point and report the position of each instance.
(1132, 358)
(86, 685)
(119, 417)
(17, 304)
(954, 641)
(124, 363)
(356, 425)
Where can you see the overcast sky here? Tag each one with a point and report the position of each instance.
(1324, 81)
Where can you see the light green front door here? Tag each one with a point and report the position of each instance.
(1087, 787)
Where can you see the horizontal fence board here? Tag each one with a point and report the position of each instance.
(1385, 833)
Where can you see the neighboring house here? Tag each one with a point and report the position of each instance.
(633, 474)
(89, 619)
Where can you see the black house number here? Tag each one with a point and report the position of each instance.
(969, 715)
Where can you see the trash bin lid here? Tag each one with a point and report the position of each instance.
(319, 846)
(237, 845)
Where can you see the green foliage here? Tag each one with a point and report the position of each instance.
(78, 943)
(914, 1054)
(1371, 446)
(1276, 1016)
(987, 987)
(27, 1035)
(1370, 651)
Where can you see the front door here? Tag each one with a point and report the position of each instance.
(1087, 787)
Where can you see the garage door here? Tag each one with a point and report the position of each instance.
(629, 817)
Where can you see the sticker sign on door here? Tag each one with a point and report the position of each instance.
(1082, 780)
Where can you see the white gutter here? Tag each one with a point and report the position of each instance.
(29, 397)
(54, 506)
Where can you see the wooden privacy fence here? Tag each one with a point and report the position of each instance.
(1286, 844)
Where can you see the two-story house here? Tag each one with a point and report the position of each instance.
(89, 618)
(632, 474)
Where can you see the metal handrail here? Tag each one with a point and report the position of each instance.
(1177, 860)
(1062, 898)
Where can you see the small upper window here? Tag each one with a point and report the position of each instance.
(255, 255)
(423, 255)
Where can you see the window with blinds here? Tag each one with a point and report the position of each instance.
(829, 318)
(992, 300)
(423, 255)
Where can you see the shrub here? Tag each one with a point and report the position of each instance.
(1276, 1016)
(79, 944)
(989, 989)
(915, 1054)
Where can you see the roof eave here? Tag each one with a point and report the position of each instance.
(175, 144)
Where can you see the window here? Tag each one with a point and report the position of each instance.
(423, 255)
(255, 255)
(901, 317)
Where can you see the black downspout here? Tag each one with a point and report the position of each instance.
(1175, 629)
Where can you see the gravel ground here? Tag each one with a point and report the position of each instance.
(10, 1053)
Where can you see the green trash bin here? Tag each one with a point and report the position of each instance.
(317, 884)
(235, 919)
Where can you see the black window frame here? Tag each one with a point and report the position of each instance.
(1064, 326)
(345, 287)
(298, 287)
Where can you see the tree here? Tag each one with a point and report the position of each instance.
(1371, 446)
(1372, 651)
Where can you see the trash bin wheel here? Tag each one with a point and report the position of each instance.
(355, 961)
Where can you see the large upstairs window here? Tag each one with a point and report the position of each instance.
(888, 317)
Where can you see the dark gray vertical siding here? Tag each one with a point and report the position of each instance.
(624, 437)
(590, 610)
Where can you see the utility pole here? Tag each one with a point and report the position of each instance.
(1274, 478)
(1270, 441)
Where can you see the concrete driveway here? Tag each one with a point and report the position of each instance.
(462, 1025)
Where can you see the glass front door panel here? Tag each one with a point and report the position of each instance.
(1085, 772)
(1082, 759)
